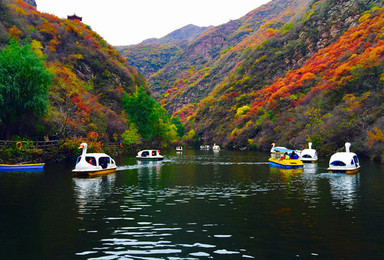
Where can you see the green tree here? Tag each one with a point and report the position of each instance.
(24, 83)
(151, 118)
(139, 107)
(179, 126)
(131, 136)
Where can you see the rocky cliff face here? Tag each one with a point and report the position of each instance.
(303, 28)
(31, 2)
(205, 62)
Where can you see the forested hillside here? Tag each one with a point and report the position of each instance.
(288, 72)
(91, 86)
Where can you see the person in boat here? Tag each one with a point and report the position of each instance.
(103, 163)
(285, 156)
(92, 161)
(294, 155)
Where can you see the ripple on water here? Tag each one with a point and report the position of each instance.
(200, 254)
(135, 237)
(225, 252)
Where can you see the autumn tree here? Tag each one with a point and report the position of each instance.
(24, 83)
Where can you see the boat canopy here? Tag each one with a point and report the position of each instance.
(283, 150)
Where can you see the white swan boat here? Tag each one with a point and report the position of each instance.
(346, 162)
(179, 148)
(215, 147)
(149, 155)
(309, 155)
(93, 163)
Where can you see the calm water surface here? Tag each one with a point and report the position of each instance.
(194, 205)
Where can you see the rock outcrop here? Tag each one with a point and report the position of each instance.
(31, 2)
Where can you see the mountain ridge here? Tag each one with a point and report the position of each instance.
(151, 55)
(186, 33)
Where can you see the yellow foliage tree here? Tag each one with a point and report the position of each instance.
(242, 110)
(375, 136)
(37, 47)
(191, 134)
(15, 33)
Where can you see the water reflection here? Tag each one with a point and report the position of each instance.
(151, 167)
(90, 190)
(285, 174)
(148, 173)
(310, 168)
(343, 188)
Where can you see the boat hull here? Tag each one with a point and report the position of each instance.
(149, 158)
(22, 167)
(308, 160)
(94, 173)
(346, 171)
(286, 164)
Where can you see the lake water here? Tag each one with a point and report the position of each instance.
(194, 205)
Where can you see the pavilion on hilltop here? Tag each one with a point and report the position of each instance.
(75, 17)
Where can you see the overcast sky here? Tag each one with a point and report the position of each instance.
(125, 22)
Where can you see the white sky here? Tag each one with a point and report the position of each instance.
(125, 22)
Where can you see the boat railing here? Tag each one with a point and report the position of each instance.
(277, 155)
(29, 144)
(47, 145)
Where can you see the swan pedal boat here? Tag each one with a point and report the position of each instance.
(285, 163)
(22, 167)
(92, 164)
(309, 155)
(276, 158)
(149, 155)
(344, 162)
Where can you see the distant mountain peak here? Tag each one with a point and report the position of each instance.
(187, 33)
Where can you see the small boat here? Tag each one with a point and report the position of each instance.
(22, 167)
(179, 148)
(215, 147)
(149, 155)
(285, 158)
(309, 155)
(285, 163)
(344, 162)
(92, 164)
(205, 147)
